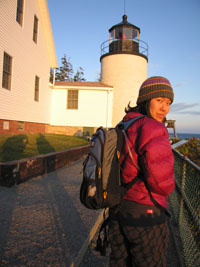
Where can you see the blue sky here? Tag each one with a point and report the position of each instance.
(170, 27)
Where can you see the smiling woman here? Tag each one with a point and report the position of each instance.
(140, 220)
(159, 108)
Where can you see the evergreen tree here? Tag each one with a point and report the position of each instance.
(99, 77)
(51, 75)
(79, 75)
(65, 71)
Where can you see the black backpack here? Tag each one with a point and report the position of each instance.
(101, 186)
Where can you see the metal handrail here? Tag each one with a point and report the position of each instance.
(186, 159)
(143, 46)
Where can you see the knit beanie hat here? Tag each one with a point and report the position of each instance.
(155, 87)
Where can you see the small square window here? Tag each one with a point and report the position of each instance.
(6, 125)
(72, 99)
(20, 125)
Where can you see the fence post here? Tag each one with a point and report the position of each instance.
(182, 190)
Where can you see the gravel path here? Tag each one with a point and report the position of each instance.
(42, 223)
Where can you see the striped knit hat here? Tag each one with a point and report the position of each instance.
(155, 87)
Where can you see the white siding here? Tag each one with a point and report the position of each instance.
(94, 108)
(29, 59)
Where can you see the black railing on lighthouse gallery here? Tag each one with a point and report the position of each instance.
(129, 46)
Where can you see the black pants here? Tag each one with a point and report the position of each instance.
(138, 235)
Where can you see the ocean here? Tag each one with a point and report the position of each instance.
(185, 135)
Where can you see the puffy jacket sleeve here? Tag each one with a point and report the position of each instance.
(156, 158)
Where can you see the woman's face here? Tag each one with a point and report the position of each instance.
(159, 107)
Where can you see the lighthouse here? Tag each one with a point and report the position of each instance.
(123, 60)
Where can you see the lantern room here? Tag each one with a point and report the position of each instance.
(124, 37)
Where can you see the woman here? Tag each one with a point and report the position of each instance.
(138, 230)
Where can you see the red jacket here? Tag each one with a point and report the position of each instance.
(151, 150)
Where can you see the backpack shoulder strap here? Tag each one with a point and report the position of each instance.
(124, 127)
(126, 124)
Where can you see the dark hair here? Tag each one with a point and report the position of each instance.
(142, 108)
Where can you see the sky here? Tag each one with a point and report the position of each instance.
(171, 28)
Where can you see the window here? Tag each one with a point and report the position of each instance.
(19, 15)
(6, 125)
(119, 33)
(36, 98)
(7, 69)
(35, 29)
(20, 125)
(72, 99)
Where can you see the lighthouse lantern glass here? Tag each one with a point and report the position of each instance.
(122, 33)
(130, 33)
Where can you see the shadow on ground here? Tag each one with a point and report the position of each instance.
(42, 221)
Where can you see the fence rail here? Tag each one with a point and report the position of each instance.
(185, 204)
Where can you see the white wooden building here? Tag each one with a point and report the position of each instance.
(86, 104)
(26, 55)
(30, 103)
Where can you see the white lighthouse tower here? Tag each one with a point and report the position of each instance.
(124, 60)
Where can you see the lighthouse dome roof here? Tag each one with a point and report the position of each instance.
(124, 23)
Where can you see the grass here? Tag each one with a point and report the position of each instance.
(191, 150)
(19, 146)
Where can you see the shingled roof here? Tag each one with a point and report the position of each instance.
(81, 84)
